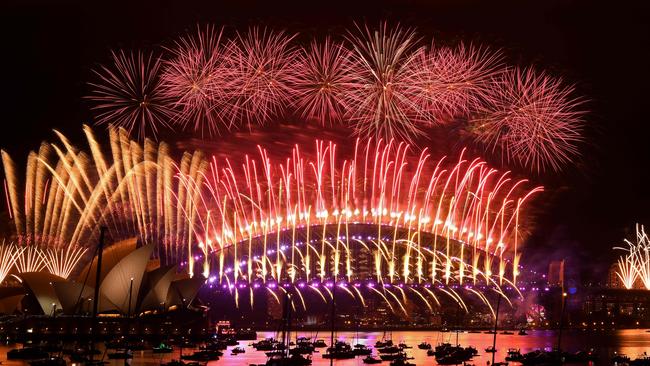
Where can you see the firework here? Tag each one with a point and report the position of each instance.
(381, 213)
(30, 259)
(194, 80)
(259, 67)
(322, 77)
(634, 265)
(68, 194)
(8, 255)
(300, 219)
(379, 81)
(62, 262)
(532, 119)
(129, 93)
(381, 104)
(452, 82)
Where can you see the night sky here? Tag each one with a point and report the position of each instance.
(50, 48)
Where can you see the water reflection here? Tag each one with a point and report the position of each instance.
(631, 342)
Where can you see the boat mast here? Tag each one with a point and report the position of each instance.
(100, 250)
(562, 306)
(332, 348)
(496, 321)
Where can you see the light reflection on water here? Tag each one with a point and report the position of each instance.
(631, 342)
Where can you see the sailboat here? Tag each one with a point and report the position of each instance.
(283, 357)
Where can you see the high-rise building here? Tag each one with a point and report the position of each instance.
(556, 273)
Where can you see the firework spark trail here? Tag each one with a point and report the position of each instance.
(532, 118)
(323, 75)
(194, 80)
(259, 65)
(381, 102)
(129, 93)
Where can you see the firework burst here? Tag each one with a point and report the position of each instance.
(381, 104)
(532, 119)
(323, 75)
(129, 93)
(635, 263)
(259, 70)
(9, 253)
(452, 82)
(194, 80)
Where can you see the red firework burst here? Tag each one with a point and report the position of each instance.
(532, 119)
(381, 104)
(194, 80)
(128, 93)
(452, 82)
(322, 76)
(259, 70)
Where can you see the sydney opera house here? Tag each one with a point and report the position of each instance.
(130, 285)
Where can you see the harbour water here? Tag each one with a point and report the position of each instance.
(630, 342)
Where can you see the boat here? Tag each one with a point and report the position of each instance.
(203, 356)
(620, 358)
(431, 352)
(522, 332)
(452, 355)
(214, 346)
(371, 359)
(404, 346)
(26, 353)
(392, 356)
(384, 343)
(304, 346)
(275, 352)
(293, 360)
(238, 350)
(401, 362)
(424, 345)
(180, 363)
(507, 332)
(268, 344)
(319, 343)
(340, 351)
(50, 361)
(514, 355)
(491, 349)
(163, 348)
(585, 356)
(120, 355)
(449, 360)
(361, 350)
(539, 357)
(388, 349)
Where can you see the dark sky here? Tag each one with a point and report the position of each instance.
(48, 49)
